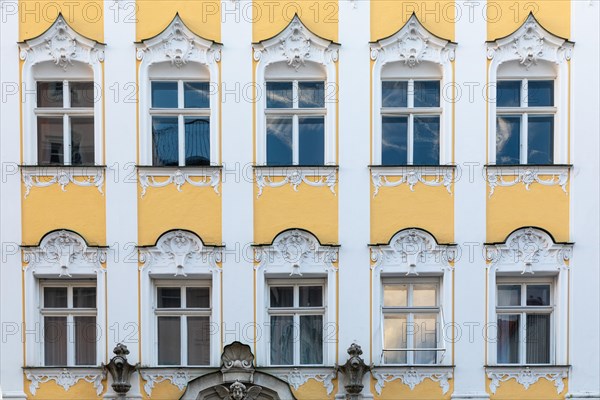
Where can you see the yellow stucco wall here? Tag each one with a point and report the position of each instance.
(52, 391)
(542, 389)
(427, 389)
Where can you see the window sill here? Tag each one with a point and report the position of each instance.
(178, 376)
(295, 175)
(411, 175)
(41, 176)
(527, 375)
(66, 377)
(413, 375)
(198, 176)
(527, 174)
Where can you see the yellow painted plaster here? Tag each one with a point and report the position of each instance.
(541, 390)
(314, 390)
(52, 391)
(427, 389)
(162, 391)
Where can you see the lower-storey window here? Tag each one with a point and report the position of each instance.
(296, 314)
(69, 323)
(183, 324)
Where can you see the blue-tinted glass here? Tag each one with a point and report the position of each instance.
(426, 141)
(508, 141)
(279, 141)
(540, 139)
(311, 94)
(427, 94)
(164, 94)
(312, 142)
(197, 141)
(508, 94)
(394, 141)
(195, 95)
(394, 93)
(280, 95)
(540, 93)
(165, 147)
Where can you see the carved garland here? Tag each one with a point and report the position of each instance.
(62, 176)
(180, 178)
(66, 378)
(297, 378)
(527, 377)
(527, 177)
(179, 378)
(413, 377)
(295, 177)
(412, 176)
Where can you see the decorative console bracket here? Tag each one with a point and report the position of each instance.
(120, 370)
(354, 370)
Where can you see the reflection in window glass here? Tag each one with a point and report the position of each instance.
(538, 295)
(50, 140)
(509, 295)
(311, 140)
(394, 93)
(395, 295)
(426, 141)
(164, 94)
(55, 297)
(311, 339)
(311, 296)
(425, 338)
(197, 297)
(84, 297)
(196, 95)
(82, 140)
(50, 94)
(311, 94)
(394, 338)
(282, 296)
(279, 141)
(282, 340)
(540, 139)
(82, 94)
(394, 141)
(280, 95)
(427, 94)
(197, 141)
(424, 295)
(508, 141)
(165, 144)
(508, 94)
(540, 93)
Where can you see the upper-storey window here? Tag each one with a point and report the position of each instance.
(180, 112)
(295, 115)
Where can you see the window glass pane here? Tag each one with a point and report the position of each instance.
(282, 296)
(395, 295)
(311, 94)
(394, 337)
(85, 340)
(197, 297)
(82, 140)
(311, 296)
(168, 297)
(169, 341)
(538, 339)
(508, 94)
(509, 295)
(508, 339)
(196, 94)
(427, 94)
(50, 140)
(312, 140)
(198, 338)
(424, 295)
(394, 93)
(282, 340)
(165, 143)
(540, 93)
(82, 94)
(55, 341)
(540, 139)
(55, 297)
(197, 141)
(164, 95)
(311, 339)
(84, 297)
(538, 295)
(50, 94)
(280, 95)
(426, 141)
(425, 335)
(394, 141)
(508, 141)
(279, 141)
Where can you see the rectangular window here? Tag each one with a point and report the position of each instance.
(411, 320)
(525, 122)
(410, 118)
(296, 315)
(180, 112)
(69, 323)
(524, 316)
(183, 315)
(65, 123)
(295, 123)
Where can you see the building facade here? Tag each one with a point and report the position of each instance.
(241, 191)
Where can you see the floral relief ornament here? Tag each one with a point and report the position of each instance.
(65, 378)
(412, 47)
(527, 377)
(179, 378)
(296, 47)
(529, 46)
(62, 47)
(412, 377)
(178, 47)
(63, 177)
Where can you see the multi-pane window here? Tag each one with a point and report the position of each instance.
(410, 122)
(296, 318)
(183, 324)
(295, 121)
(525, 122)
(411, 319)
(180, 112)
(524, 313)
(69, 323)
(65, 123)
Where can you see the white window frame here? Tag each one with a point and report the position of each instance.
(45, 61)
(305, 56)
(180, 55)
(414, 53)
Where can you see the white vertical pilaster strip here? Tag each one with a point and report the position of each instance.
(470, 206)
(237, 150)
(584, 381)
(121, 193)
(11, 346)
(354, 178)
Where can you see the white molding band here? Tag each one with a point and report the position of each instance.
(198, 177)
(527, 175)
(65, 377)
(413, 376)
(63, 176)
(527, 376)
(298, 377)
(295, 176)
(411, 176)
